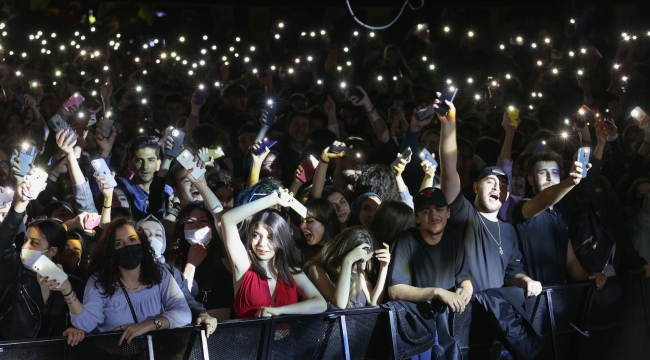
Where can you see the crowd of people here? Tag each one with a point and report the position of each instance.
(257, 192)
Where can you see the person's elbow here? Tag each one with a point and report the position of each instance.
(393, 293)
(320, 305)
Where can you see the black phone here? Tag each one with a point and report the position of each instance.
(178, 137)
(353, 91)
(58, 123)
(337, 149)
(450, 95)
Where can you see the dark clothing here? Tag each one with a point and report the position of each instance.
(143, 204)
(23, 313)
(416, 263)
(423, 326)
(488, 267)
(592, 241)
(543, 241)
(215, 288)
(504, 308)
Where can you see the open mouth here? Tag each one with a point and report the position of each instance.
(195, 193)
(494, 196)
(309, 236)
(262, 252)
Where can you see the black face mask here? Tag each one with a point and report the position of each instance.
(129, 257)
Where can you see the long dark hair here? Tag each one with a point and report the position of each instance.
(181, 247)
(391, 217)
(333, 253)
(284, 261)
(104, 266)
(323, 211)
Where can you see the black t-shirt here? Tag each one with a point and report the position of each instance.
(416, 263)
(543, 241)
(487, 266)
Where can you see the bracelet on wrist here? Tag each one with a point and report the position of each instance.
(108, 206)
(68, 294)
(372, 111)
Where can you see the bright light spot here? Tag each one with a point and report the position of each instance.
(96, 53)
(566, 121)
(470, 34)
(477, 97)
(616, 66)
(342, 84)
(201, 87)
(319, 82)
(533, 45)
(214, 47)
(431, 67)
(246, 59)
(312, 34)
(348, 63)
(446, 29)
(94, 93)
(583, 50)
(580, 72)
(281, 25)
(572, 21)
(138, 88)
(237, 39)
(581, 112)
(372, 34)
(539, 62)
(252, 48)
(395, 78)
(502, 46)
(508, 76)
(181, 39)
(303, 33)
(346, 49)
(424, 58)
(322, 32)
(277, 36)
(204, 51)
(290, 71)
(190, 72)
(272, 67)
(519, 39)
(534, 94)
(83, 37)
(173, 54)
(448, 81)
(92, 29)
(216, 84)
(470, 80)
(339, 68)
(309, 58)
(547, 40)
(554, 71)
(57, 73)
(163, 55)
(106, 68)
(571, 53)
(624, 78)
(380, 78)
(297, 60)
(137, 59)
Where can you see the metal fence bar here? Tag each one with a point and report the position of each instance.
(551, 314)
(150, 346)
(344, 337)
(393, 333)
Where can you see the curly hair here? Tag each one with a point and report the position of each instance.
(379, 179)
(104, 265)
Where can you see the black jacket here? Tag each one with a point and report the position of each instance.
(592, 241)
(23, 314)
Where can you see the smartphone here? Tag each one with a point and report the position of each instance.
(353, 91)
(92, 220)
(100, 166)
(35, 181)
(426, 155)
(75, 99)
(263, 145)
(540, 145)
(270, 114)
(178, 137)
(37, 134)
(405, 155)
(45, 267)
(58, 123)
(26, 155)
(442, 108)
(107, 125)
(337, 149)
(6, 197)
(399, 103)
(308, 168)
(583, 157)
(517, 40)
(513, 113)
(212, 153)
(20, 96)
(299, 208)
(640, 117)
(186, 159)
(200, 97)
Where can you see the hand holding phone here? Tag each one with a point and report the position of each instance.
(583, 158)
(46, 268)
(513, 114)
(337, 149)
(263, 145)
(27, 154)
(91, 221)
(107, 127)
(299, 208)
(212, 154)
(102, 168)
(58, 123)
(405, 155)
(425, 155)
(356, 92)
(450, 95)
(35, 181)
(308, 167)
(178, 137)
(186, 159)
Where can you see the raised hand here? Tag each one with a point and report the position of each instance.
(428, 167)
(64, 139)
(383, 255)
(401, 165)
(326, 156)
(360, 253)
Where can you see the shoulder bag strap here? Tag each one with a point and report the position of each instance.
(126, 294)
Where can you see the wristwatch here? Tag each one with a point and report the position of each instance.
(158, 323)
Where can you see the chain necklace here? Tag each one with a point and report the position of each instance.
(132, 289)
(488, 230)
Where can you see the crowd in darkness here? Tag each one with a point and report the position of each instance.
(310, 169)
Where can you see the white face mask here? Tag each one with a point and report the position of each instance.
(156, 245)
(199, 236)
(29, 257)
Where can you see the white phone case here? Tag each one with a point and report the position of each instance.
(299, 208)
(36, 179)
(45, 267)
(100, 166)
(187, 160)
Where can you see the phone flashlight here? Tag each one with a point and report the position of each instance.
(138, 88)
(25, 146)
(201, 87)
(269, 102)
(174, 132)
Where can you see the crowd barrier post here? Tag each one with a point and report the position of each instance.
(551, 314)
(344, 337)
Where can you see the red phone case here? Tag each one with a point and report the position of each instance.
(308, 169)
(75, 99)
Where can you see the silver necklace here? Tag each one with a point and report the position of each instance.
(488, 230)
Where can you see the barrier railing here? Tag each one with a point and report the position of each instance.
(578, 322)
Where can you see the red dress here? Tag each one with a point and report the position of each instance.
(254, 293)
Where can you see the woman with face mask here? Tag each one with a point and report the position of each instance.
(266, 278)
(339, 270)
(201, 257)
(27, 303)
(128, 290)
(155, 233)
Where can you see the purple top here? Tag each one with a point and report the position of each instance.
(109, 312)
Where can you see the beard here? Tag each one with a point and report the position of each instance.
(487, 206)
(434, 233)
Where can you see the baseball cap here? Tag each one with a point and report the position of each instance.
(493, 170)
(429, 196)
